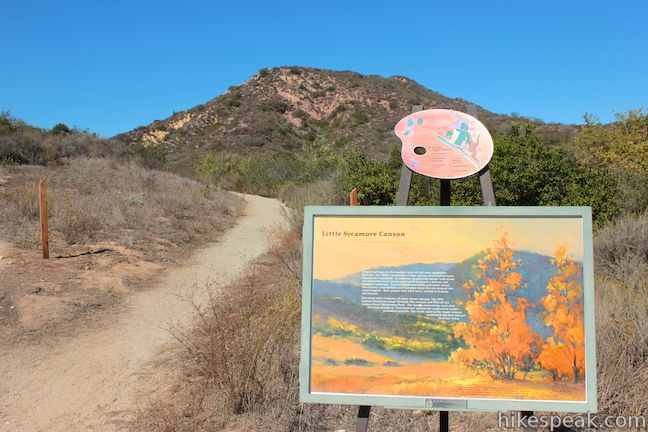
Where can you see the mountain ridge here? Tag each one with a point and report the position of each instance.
(286, 108)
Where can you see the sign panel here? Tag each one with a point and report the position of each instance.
(449, 308)
(444, 143)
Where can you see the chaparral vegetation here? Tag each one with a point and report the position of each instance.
(531, 166)
(240, 367)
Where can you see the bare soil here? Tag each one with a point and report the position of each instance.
(95, 379)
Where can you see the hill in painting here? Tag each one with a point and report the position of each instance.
(337, 297)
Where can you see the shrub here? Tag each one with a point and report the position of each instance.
(233, 100)
(621, 250)
(23, 144)
(376, 181)
(264, 72)
(360, 117)
(622, 149)
(301, 114)
(25, 199)
(275, 105)
(254, 142)
(7, 123)
(29, 147)
(524, 171)
(245, 344)
(151, 156)
(267, 175)
(338, 109)
(61, 129)
(77, 224)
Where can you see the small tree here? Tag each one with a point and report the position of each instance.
(499, 340)
(564, 352)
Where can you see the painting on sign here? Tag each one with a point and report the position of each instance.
(448, 307)
(444, 144)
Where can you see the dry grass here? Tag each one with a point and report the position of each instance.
(241, 366)
(242, 357)
(621, 259)
(97, 200)
(320, 192)
(141, 218)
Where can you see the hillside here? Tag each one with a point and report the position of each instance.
(285, 108)
(113, 227)
(536, 271)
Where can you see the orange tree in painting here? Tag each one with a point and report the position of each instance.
(498, 339)
(564, 352)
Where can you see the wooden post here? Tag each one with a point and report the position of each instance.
(353, 197)
(42, 202)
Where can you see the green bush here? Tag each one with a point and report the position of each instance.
(275, 105)
(23, 144)
(360, 117)
(61, 129)
(622, 149)
(254, 142)
(6, 123)
(301, 114)
(264, 72)
(151, 156)
(524, 171)
(376, 181)
(267, 175)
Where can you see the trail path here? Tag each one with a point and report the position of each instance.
(93, 381)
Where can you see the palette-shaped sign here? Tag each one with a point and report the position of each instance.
(444, 143)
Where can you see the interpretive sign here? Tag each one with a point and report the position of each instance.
(449, 308)
(444, 143)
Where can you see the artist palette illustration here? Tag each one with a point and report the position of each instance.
(444, 144)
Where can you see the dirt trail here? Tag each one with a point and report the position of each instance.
(93, 381)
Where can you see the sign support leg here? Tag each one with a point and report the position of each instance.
(443, 421)
(404, 186)
(488, 193)
(526, 415)
(363, 418)
(446, 190)
(445, 193)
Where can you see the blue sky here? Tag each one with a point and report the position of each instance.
(115, 65)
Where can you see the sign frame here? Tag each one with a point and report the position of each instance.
(445, 403)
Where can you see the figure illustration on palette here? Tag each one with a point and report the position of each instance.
(444, 143)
